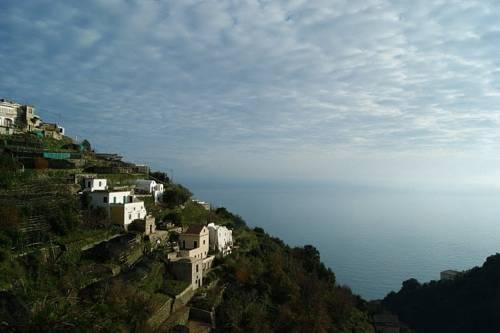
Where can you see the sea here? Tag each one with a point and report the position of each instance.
(372, 238)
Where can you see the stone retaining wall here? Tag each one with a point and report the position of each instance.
(183, 298)
(160, 315)
(202, 315)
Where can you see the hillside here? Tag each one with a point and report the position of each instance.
(64, 266)
(271, 287)
(468, 303)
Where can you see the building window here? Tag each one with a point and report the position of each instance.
(196, 268)
(195, 244)
(130, 216)
(89, 184)
(203, 242)
(100, 183)
(105, 199)
(114, 199)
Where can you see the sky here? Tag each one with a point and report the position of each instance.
(402, 93)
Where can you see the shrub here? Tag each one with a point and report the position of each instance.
(176, 195)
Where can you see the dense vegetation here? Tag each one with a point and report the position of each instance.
(176, 195)
(271, 287)
(469, 303)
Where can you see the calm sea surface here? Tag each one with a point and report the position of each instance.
(373, 239)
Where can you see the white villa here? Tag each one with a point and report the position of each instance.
(220, 238)
(193, 261)
(18, 118)
(122, 207)
(150, 186)
(95, 184)
(124, 214)
(103, 198)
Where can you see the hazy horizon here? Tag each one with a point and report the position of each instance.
(372, 238)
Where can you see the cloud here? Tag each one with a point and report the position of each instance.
(207, 86)
(87, 37)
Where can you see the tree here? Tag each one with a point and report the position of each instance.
(86, 145)
(176, 195)
(410, 285)
(173, 217)
(160, 176)
(224, 214)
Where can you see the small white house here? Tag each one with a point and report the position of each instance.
(150, 186)
(125, 214)
(95, 184)
(220, 238)
(122, 207)
(105, 197)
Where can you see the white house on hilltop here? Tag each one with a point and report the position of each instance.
(150, 186)
(220, 238)
(16, 117)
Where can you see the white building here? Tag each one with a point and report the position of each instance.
(121, 206)
(125, 214)
(14, 116)
(8, 113)
(194, 242)
(95, 184)
(103, 198)
(192, 262)
(220, 238)
(151, 187)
